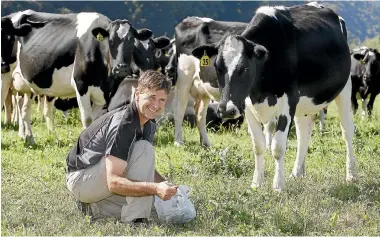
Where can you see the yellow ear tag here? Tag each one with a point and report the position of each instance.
(361, 61)
(205, 60)
(99, 37)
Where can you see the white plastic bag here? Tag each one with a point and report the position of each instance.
(178, 209)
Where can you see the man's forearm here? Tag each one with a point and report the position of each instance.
(126, 187)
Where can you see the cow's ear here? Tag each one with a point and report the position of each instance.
(209, 50)
(143, 34)
(261, 53)
(23, 30)
(161, 42)
(100, 33)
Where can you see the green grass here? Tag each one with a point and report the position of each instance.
(35, 200)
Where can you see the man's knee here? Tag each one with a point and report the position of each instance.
(141, 163)
(142, 150)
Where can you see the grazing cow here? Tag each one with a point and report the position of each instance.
(200, 82)
(365, 76)
(272, 69)
(82, 55)
(143, 59)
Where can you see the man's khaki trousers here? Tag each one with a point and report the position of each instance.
(90, 186)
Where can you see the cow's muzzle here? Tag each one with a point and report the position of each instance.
(121, 70)
(228, 111)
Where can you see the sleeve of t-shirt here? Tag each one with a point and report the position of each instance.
(118, 141)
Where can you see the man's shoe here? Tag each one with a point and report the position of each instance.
(85, 208)
(140, 222)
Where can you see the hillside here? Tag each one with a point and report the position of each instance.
(361, 18)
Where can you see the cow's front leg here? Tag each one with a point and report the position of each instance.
(201, 112)
(48, 113)
(370, 103)
(322, 117)
(6, 80)
(354, 102)
(279, 142)
(269, 128)
(364, 107)
(304, 129)
(8, 108)
(258, 144)
(26, 121)
(181, 98)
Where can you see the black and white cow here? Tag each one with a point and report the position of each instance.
(51, 63)
(365, 76)
(144, 55)
(290, 62)
(190, 78)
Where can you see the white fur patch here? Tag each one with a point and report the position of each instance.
(269, 11)
(232, 106)
(232, 52)
(17, 16)
(341, 26)
(280, 8)
(370, 53)
(123, 30)
(262, 111)
(61, 86)
(145, 43)
(306, 106)
(314, 4)
(206, 19)
(85, 19)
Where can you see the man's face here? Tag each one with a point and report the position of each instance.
(150, 103)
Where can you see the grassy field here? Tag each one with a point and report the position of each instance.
(35, 201)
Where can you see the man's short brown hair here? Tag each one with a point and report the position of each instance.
(153, 80)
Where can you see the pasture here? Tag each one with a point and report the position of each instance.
(35, 200)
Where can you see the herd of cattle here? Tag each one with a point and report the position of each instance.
(287, 64)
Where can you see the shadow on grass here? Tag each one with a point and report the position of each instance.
(5, 146)
(9, 127)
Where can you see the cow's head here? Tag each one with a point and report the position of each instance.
(144, 54)
(163, 56)
(121, 37)
(171, 67)
(371, 62)
(8, 46)
(239, 63)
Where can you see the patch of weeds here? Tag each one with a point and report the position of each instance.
(345, 192)
(228, 161)
(289, 223)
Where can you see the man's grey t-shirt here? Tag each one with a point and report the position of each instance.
(114, 134)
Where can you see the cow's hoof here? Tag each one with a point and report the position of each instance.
(297, 174)
(278, 186)
(351, 178)
(255, 185)
(21, 135)
(29, 140)
(176, 143)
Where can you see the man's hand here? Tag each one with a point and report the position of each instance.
(165, 191)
